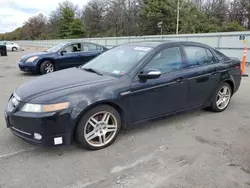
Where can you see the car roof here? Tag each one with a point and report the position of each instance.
(70, 42)
(155, 43)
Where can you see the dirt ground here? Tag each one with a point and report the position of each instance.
(197, 149)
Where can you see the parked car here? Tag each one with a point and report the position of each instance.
(64, 55)
(11, 46)
(124, 86)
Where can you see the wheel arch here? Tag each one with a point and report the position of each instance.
(116, 106)
(45, 59)
(229, 79)
(13, 47)
(231, 83)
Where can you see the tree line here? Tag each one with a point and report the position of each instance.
(107, 18)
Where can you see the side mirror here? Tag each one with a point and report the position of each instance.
(149, 74)
(63, 52)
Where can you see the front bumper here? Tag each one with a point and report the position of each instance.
(27, 67)
(55, 128)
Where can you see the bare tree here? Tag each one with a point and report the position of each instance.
(92, 17)
(35, 26)
(217, 10)
(239, 11)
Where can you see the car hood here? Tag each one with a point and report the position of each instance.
(60, 80)
(40, 54)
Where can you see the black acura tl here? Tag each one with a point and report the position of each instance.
(124, 86)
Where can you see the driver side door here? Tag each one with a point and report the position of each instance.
(69, 56)
(163, 95)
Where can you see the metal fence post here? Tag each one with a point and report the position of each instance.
(218, 43)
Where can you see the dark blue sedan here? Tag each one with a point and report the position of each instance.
(64, 55)
(121, 88)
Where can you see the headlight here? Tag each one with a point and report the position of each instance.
(44, 108)
(31, 59)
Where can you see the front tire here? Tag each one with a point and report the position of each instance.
(221, 98)
(47, 67)
(98, 128)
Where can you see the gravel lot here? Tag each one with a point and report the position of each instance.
(192, 150)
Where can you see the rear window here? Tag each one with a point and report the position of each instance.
(221, 56)
(198, 56)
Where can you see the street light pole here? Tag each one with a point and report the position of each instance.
(160, 25)
(161, 28)
(178, 17)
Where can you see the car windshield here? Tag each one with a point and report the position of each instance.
(119, 60)
(56, 48)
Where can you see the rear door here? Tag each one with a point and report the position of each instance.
(203, 74)
(89, 52)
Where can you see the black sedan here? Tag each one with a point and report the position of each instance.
(61, 56)
(122, 87)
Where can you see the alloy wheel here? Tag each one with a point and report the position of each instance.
(100, 129)
(49, 68)
(223, 97)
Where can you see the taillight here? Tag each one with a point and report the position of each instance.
(237, 67)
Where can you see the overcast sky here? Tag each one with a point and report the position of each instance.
(13, 13)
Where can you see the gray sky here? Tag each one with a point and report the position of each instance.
(13, 13)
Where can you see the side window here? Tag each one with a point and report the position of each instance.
(221, 56)
(99, 48)
(68, 49)
(73, 48)
(168, 60)
(198, 56)
(87, 47)
(211, 58)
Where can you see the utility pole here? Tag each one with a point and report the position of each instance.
(178, 17)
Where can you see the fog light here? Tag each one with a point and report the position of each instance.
(37, 136)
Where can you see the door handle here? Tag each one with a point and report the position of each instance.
(180, 80)
(213, 72)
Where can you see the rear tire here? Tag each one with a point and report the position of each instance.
(47, 67)
(221, 98)
(14, 49)
(98, 127)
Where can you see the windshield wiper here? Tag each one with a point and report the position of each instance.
(93, 70)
